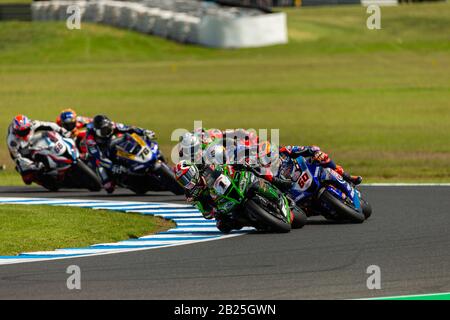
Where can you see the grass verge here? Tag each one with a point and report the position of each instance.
(44, 228)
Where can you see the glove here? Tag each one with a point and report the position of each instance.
(208, 215)
(39, 166)
(149, 134)
(190, 200)
(118, 169)
(65, 133)
(109, 187)
(282, 184)
(320, 156)
(255, 170)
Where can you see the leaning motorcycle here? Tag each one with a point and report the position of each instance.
(252, 201)
(322, 191)
(60, 163)
(146, 169)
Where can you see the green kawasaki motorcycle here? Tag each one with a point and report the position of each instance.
(252, 201)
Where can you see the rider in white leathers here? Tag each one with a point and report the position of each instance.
(20, 132)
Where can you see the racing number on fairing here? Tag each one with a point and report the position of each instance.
(145, 153)
(58, 147)
(222, 184)
(305, 180)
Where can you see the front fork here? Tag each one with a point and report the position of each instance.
(333, 178)
(266, 190)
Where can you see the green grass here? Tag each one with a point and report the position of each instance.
(42, 228)
(378, 101)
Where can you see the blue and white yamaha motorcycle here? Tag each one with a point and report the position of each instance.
(145, 164)
(322, 191)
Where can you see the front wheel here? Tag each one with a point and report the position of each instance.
(274, 223)
(343, 211)
(168, 179)
(367, 208)
(88, 177)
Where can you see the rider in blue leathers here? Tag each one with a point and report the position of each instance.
(100, 132)
(320, 157)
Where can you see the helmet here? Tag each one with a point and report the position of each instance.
(204, 135)
(215, 133)
(103, 126)
(286, 168)
(21, 126)
(188, 176)
(215, 154)
(267, 153)
(190, 147)
(68, 119)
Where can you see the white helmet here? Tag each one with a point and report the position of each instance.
(190, 147)
(215, 154)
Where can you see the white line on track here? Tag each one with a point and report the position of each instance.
(188, 231)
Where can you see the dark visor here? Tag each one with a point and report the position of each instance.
(23, 133)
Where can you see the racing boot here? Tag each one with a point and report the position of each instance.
(28, 178)
(227, 224)
(110, 187)
(355, 180)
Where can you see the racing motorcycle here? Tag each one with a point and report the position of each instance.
(60, 163)
(323, 191)
(252, 201)
(146, 169)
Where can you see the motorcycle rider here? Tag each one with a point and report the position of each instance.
(20, 131)
(100, 133)
(77, 126)
(193, 178)
(69, 120)
(197, 193)
(250, 149)
(317, 155)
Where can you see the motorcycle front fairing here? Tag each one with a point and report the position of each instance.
(340, 188)
(135, 153)
(57, 153)
(72, 149)
(307, 181)
(310, 177)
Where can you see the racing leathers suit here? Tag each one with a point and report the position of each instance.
(19, 148)
(79, 134)
(320, 157)
(99, 154)
(205, 201)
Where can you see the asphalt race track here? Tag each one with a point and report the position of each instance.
(408, 237)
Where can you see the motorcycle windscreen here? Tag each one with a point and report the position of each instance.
(128, 148)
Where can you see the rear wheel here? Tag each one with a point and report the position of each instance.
(273, 222)
(89, 178)
(343, 211)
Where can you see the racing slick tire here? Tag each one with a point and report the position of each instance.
(367, 208)
(168, 179)
(89, 178)
(276, 224)
(344, 211)
(300, 218)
